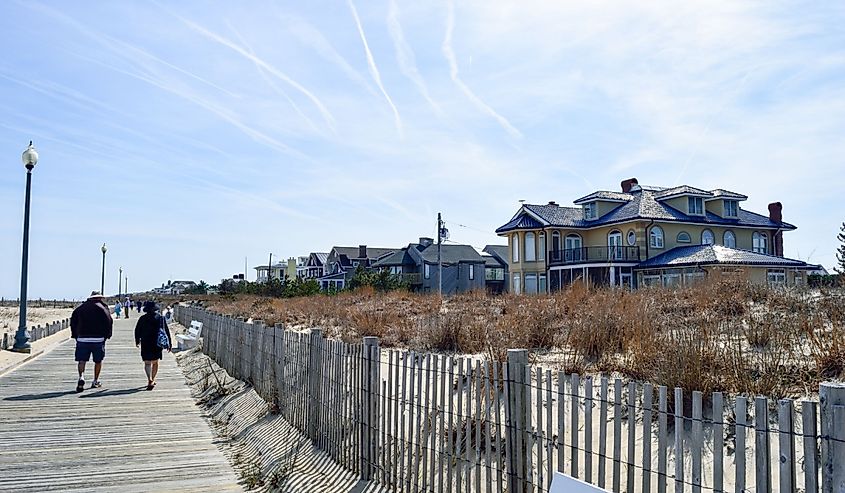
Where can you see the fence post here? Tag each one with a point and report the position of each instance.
(313, 408)
(370, 385)
(831, 396)
(517, 361)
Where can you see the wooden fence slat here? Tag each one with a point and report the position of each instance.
(478, 399)
(617, 434)
(419, 398)
(561, 422)
(630, 459)
(574, 390)
(739, 452)
(403, 444)
(436, 375)
(648, 397)
(811, 456)
(679, 440)
(718, 442)
(500, 447)
(697, 440)
(588, 429)
(446, 365)
(786, 440)
(763, 466)
(488, 427)
(602, 432)
(541, 476)
(528, 451)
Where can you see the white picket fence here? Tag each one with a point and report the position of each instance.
(425, 422)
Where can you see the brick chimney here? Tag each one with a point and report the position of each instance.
(776, 216)
(627, 184)
(362, 251)
(552, 202)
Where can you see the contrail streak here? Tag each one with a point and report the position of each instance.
(453, 73)
(405, 55)
(373, 69)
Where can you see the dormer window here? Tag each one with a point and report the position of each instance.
(590, 211)
(696, 205)
(731, 208)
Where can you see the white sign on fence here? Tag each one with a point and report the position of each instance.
(561, 483)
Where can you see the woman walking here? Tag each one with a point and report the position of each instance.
(153, 336)
(117, 307)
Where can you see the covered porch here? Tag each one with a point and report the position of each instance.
(619, 275)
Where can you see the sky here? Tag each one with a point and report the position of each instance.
(191, 137)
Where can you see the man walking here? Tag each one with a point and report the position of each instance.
(91, 325)
(128, 306)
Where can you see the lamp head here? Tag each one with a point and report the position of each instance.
(29, 157)
(104, 249)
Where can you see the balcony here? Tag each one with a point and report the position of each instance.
(589, 255)
(411, 278)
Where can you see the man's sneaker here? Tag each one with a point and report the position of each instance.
(80, 385)
(96, 384)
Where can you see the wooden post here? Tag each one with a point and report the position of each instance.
(832, 394)
(517, 361)
(312, 406)
(786, 440)
(811, 457)
(763, 462)
(370, 385)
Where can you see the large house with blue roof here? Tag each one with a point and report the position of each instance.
(644, 236)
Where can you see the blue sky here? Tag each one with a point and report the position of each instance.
(189, 136)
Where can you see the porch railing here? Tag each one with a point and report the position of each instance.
(591, 254)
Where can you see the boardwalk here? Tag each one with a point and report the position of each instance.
(116, 438)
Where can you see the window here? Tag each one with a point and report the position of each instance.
(541, 247)
(555, 241)
(590, 211)
(396, 270)
(759, 242)
(655, 238)
(572, 246)
(776, 277)
(530, 283)
(684, 237)
(530, 248)
(632, 238)
(614, 245)
(471, 272)
(542, 286)
(427, 271)
(729, 239)
(517, 285)
(515, 246)
(696, 205)
(731, 208)
(494, 274)
(707, 237)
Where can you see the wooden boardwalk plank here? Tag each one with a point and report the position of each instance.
(116, 438)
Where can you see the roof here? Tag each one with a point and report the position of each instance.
(727, 194)
(277, 265)
(451, 254)
(321, 257)
(372, 252)
(399, 257)
(491, 262)
(500, 251)
(718, 255)
(643, 205)
(680, 190)
(604, 195)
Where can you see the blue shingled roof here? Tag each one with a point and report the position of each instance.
(642, 204)
(717, 255)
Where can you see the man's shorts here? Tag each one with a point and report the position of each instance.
(85, 350)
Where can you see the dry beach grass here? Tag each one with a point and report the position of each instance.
(717, 335)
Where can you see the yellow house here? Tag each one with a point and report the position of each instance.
(645, 236)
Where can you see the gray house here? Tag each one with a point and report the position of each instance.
(463, 267)
(340, 264)
(495, 268)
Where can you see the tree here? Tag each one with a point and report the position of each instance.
(840, 252)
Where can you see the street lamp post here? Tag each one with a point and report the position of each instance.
(119, 282)
(30, 158)
(103, 272)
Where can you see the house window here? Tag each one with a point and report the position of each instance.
(632, 238)
(396, 270)
(707, 237)
(427, 271)
(776, 277)
(530, 247)
(696, 205)
(555, 241)
(541, 247)
(515, 247)
(530, 283)
(729, 239)
(572, 248)
(731, 208)
(590, 211)
(517, 284)
(471, 272)
(494, 274)
(655, 238)
(760, 242)
(614, 245)
(542, 285)
(684, 237)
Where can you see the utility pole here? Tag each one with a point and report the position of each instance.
(439, 262)
(270, 268)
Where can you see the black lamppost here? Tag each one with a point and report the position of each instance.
(103, 274)
(119, 282)
(29, 157)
